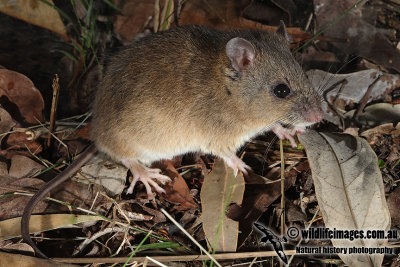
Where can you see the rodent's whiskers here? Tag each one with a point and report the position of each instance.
(323, 85)
(266, 153)
(292, 118)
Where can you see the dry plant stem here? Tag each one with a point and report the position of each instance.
(365, 98)
(190, 237)
(342, 83)
(156, 262)
(55, 137)
(89, 240)
(156, 20)
(282, 191)
(121, 211)
(171, 8)
(253, 262)
(309, 22)
(54, 104)
(224, 256)
(101, 217)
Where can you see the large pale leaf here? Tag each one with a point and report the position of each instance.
(104, 172)
(214, 196)
(10, 259)
(35, 12)
(349, 189)
(12, 227)
(376, 114)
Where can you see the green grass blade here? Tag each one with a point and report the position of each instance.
(137, 248)
(111, 4)
(69, 55)
(162, 245)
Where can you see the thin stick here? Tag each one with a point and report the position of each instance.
(365, 98)
(190, 237)
(223, 256)
(156, 262)
(282, 191)
(54, 103)
(156, 20)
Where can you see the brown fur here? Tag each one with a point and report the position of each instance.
(175, 91)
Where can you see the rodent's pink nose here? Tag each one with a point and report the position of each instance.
(314, 115)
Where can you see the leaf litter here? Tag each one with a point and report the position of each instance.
(23, 106)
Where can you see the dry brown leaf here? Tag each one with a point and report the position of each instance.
(221, 231)
(79, 195)
(21, 91)
(177, 191)
(81, 133)
(258, 197)
(22, 166)
(375, 133)
(227, 15)
(11, 206)
(134, 16)
(294, 213)
(37, 13)
(349, 188)
(9, 259)
(19, 140)
(6, 122)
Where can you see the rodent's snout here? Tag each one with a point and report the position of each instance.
(313, 115)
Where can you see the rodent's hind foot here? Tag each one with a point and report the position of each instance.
(236, 164)
(285, 133)
(146, 176)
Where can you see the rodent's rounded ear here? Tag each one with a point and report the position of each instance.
(241, 53)
(282, 31)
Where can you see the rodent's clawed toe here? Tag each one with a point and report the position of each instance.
(146, 176)
(284, 133)
(236, 164)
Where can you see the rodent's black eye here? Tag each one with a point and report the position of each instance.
(281, 90)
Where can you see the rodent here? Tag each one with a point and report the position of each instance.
(194, 89)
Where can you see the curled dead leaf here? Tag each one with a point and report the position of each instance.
(24, 99)
(177, 191)
(20, 140)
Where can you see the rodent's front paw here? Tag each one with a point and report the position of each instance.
(285, 133)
